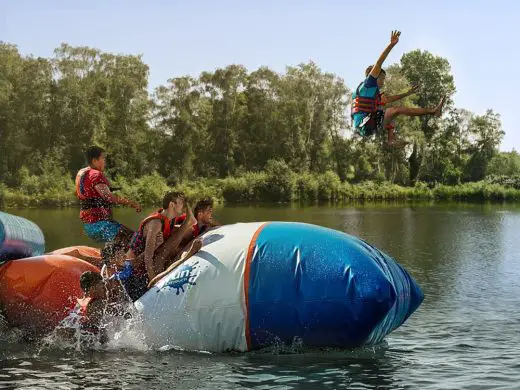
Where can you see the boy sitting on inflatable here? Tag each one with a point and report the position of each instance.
(368, 113)
(203, 212)
(157, 242)
(96, 200)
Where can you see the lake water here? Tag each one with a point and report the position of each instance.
(466, 334)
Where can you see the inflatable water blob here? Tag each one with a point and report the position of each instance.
(87, 253)
(36, 293)
(36, 290)
(253, 285)
(19, 238)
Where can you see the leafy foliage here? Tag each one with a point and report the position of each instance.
(231, 133)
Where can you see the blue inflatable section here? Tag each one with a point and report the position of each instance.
(19, 238)
(325, 288)
(409, 295)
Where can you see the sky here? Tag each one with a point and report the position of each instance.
(480, 39)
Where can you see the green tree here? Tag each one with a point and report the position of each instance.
(433, 75)
(226, 89)
(504, 164)
(487, 132)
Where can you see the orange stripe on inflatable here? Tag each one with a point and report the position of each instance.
(247, 271)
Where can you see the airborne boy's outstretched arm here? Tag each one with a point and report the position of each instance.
(394, 39)
(394, 98)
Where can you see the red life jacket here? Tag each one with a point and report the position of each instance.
(93, 207)
(138, 241)
(199, 229)
(196, 229)
(82, 304)
(81, 309)
(366, 104)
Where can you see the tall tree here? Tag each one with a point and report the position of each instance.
(487, 132)
(433, 75)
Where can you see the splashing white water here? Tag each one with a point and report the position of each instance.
(3, 323)
(121, 328)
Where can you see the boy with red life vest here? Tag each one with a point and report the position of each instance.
(203, 212)
(368, 113)
(156, 241)
(96, 200)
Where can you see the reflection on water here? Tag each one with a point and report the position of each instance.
(465, 335)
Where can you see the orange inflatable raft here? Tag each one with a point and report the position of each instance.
(36, 293)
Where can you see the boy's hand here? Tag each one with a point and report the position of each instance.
(136, 206)
(412, 90)
(394, 38)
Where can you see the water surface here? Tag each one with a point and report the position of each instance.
(466, 334)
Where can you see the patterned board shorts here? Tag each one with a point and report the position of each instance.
(372, 124)
(102, 231)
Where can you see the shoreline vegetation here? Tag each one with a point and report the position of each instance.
(237, 135)
(275, 185)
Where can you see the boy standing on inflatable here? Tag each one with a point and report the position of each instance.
(96, 200)
(368, 113)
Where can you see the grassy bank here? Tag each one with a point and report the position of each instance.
(276, 184)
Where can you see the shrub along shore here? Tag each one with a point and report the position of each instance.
(277, 184)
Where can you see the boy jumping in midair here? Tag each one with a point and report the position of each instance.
(368, 113)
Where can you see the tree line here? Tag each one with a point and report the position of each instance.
(230, 122)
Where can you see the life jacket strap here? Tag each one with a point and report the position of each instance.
(94, 203)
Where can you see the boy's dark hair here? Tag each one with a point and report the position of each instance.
(89, 279)
(93, 152)
(369, 69)
(171, 197)
(202, 205)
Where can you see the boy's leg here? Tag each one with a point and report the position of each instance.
(393, 112)
(124, 235)
(106, 231)
(390, 128)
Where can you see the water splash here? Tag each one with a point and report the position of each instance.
(121, 328)
(3, 323)
(9, 335)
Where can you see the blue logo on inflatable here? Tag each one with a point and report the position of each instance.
(184, 275)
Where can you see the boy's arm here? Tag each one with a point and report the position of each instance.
(104, 191)
(151, 230)
(391, 99)
(95, 312)
(158, 277)
(394, 38)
